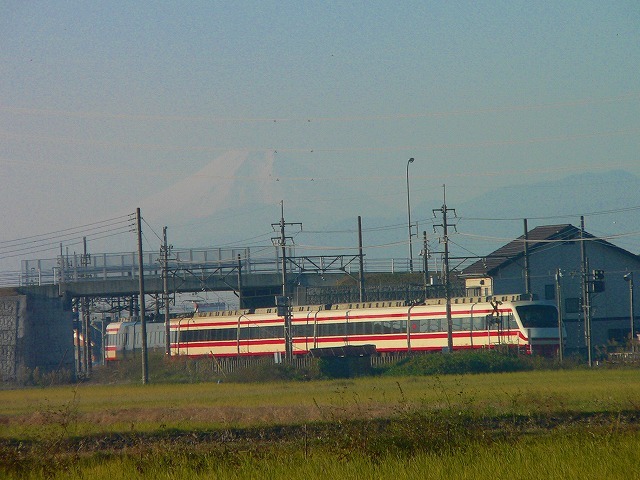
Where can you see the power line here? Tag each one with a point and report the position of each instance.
(551, 217)
(115, 221)
(53, 246)
(46, 242)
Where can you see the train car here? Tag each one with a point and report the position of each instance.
(488, 322)
(123, 338)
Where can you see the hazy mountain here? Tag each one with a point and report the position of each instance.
(236, 197)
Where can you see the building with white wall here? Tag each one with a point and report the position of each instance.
(553, 249)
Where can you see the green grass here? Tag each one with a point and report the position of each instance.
(107, 408)
(544, 424)
(568, 455)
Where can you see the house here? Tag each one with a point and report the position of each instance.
(553, 264)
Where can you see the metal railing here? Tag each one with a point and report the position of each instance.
(110, 266)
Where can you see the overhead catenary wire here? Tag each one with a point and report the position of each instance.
(154, 232)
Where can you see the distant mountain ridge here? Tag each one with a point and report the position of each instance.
(236, 197)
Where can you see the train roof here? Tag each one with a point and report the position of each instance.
(515, 297)
(361, 305)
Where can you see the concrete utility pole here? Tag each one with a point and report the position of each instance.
(586, 295)
(361, 262)
(559, 304)
(240, 297)
(629, 278)
(527, 272)
(447, 280)
(282, 243)
(84, 301)
(165, 292)
(143, 322)
(425, 262)
(409, 215)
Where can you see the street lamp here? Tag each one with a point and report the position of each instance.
(409, 214)
(629, 278)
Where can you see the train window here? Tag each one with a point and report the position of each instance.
(513, 325)
(321, 329)
(493, 322)
(331, 329)
(377, 327)
(466, 323)
(308, 330)
(232, 333)
(303, 330)
(479, 323)
(538, 316)
(247, 333)
(435, 325)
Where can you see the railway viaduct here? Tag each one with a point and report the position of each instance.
(37, 316)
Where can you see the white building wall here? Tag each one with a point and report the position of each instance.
(610, 309)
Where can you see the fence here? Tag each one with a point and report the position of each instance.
(105, 266)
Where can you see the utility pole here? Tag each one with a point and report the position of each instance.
(282, 243)
(629, 278)
(411, 160)
(165, 292)
(84, 302)
(425, 261)
(240, 298)
(143, 322)
(586, 296)
(527, 272)
(559, 304)
(447, 280)
(361, 262)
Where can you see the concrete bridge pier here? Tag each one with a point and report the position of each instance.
(36, 335)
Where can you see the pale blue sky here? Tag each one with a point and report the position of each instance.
(96, 95)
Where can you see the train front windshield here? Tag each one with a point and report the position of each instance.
(538, 316)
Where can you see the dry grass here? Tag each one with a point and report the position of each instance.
(552, 424)
(117, 407)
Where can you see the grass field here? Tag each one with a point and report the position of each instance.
(559, 424)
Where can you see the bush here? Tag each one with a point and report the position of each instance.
(489, 361)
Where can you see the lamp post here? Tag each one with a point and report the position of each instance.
(409, 215)
(629, 278)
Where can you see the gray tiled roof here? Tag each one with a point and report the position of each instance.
(514, 250)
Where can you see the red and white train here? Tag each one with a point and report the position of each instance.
(392, 326)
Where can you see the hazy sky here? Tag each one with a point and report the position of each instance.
(102, 104)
